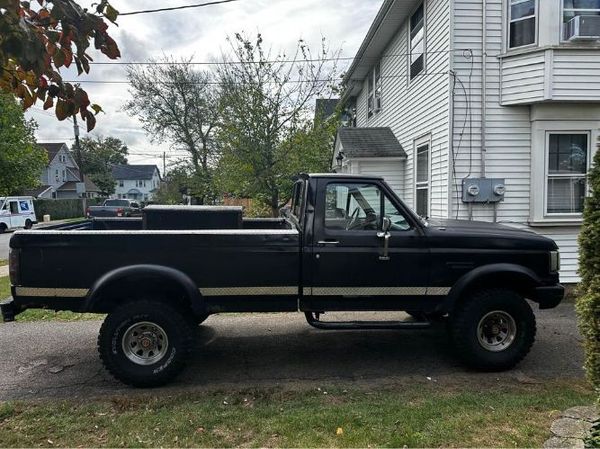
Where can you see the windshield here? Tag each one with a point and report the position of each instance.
(116, 203)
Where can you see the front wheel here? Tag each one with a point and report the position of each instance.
(145, 343)
(493, 330)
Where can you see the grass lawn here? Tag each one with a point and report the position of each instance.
(3, 263)
(419, 415)
(44, 315)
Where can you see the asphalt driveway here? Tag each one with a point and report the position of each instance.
(52, 359)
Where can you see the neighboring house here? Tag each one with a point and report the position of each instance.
(136, 182)
(61, 179)
(520, 123)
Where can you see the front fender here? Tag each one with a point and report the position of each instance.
(144, 271)
(493, 275)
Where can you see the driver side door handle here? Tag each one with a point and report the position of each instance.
(328, 243)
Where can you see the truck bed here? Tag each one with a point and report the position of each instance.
(58, 262)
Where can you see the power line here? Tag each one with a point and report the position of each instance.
(268, 82)
(282, 61)
(174, 8)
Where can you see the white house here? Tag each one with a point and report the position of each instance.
(495, 105)
(136, 182)
(61, 179)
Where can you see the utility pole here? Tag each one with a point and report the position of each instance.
(79, 158)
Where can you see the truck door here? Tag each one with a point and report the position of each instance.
(350, 268)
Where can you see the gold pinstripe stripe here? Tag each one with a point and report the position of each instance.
(48, 292)
(249, 291)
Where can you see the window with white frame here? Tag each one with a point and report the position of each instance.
(374, 102)
(574, 8)
(566, 170)
(417, 41)
(522, 23)
(422, 184)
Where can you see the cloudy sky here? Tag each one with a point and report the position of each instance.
(201, 33)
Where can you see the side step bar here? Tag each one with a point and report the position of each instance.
(313, 319)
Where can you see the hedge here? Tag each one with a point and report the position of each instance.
(62, 209)
(588, 303)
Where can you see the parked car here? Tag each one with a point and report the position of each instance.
(348, 244)
(115, 208)
(16, 212)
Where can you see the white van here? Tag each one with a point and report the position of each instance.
(16, 212)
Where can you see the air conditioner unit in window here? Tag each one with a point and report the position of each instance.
(583, 28)
(378, 104)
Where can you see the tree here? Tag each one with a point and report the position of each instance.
(36, 43)
(98, 156)
(21, 160)
(267, 118)
(177, 103)
(176, 183)
(588, 303)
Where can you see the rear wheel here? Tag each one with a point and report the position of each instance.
(493, 330)
(145, 343)
(28, 224)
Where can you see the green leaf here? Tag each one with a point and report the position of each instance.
(97, 108)
(111, 13)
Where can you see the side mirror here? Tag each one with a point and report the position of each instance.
(386, 225)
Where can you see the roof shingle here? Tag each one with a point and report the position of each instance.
(135, 172)
(369, 142)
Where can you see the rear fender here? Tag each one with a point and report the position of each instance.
(502, 275)
(154, 272)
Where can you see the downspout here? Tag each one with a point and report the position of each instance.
(483, 87)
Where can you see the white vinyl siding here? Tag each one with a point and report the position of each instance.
(575, 75)
(418, 107)
(523, 78)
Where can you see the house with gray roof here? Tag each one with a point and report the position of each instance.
(61, 179)
(136, 182)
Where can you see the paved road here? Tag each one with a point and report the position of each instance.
(4, 239)
(50, 359)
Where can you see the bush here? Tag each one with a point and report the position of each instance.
(62, 209)
(588, 304)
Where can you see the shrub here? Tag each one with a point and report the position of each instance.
(588, 304)
(62, 209)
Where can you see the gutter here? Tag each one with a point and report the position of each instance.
(483, 87)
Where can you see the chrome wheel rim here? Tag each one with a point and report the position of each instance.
(496, 331)
(145, 343)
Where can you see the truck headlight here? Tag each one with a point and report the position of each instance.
(554, 261)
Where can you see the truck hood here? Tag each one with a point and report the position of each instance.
(481, 234)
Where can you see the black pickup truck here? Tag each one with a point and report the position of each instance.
(348, 243)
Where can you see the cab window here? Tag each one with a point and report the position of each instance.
(14, 207)
(359, 207)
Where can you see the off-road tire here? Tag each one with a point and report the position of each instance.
(177, 327)
(28, 224)
(464, 323)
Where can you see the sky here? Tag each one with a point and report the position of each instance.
(200, 33)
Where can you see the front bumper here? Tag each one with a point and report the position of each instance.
(549, 297)
(9, 310)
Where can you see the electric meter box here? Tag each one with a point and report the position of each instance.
(483, 190)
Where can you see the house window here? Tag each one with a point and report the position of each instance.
(522, 23)
(574, 8)
(121, 183)
(374, 95)
(417, 41)
(422, 184)
(567, 166)
(64, 175)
